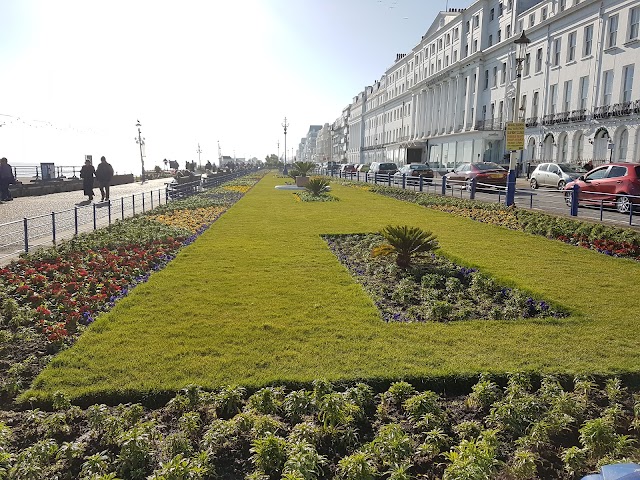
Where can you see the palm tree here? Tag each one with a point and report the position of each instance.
(317, 186)
(405, 242)
(303, 168)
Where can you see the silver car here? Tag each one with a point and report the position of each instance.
(555, 175)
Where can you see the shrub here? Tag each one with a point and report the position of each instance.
(317, 186)
(405, 242)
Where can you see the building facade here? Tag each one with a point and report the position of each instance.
(448, 100)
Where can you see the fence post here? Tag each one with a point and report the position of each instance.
(109, 210)
(122, 206)
(75, 219)
(151, 198)
(574, 200)
(388, 180)
(133, 204)
(420, 182)
(26, 235)
(166, 194)
(95, 221)
(404, 181)
(444, 185)
(53, 226)
(142, 202)
(474, 184)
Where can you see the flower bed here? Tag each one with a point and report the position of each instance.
(434, 289)
(323, 432)
(48, 298)
(614, 241)
(308, 197)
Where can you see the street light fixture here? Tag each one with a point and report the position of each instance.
(522, 42)
(285, 125)
(140, 141)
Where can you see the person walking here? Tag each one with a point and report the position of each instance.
(87, 172)
(6, 179)
(104, 174)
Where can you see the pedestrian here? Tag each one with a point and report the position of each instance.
(6, 179)
(104, 174)
(588, 166)
(87, 172)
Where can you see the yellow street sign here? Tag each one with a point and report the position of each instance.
(515, 136)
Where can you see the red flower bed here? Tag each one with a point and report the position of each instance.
(69, 290)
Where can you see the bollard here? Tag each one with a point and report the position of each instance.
(75, 218)
(575, 191)
(511, 188)
(421, 182)
(388, 179)
(122, 206)
(444, 186)
(142, 202)
(404, 181)
(133, 205)
(95, 222)
(473, 184)
(109, 210)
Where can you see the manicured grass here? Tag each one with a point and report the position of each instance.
(259, 298)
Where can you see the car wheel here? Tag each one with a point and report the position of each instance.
(567, 198)
(623, 204)
(561, 184)
(533, 183)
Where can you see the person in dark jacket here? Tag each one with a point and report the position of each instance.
(104, 174)
(6, 179)
(87, 172)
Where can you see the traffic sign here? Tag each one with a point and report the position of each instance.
(515, 136)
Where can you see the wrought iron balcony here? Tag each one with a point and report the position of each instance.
(621, 109)
(548, 119)
(561, 117)
(531, 122)
(603, 111)
(491, 124)
(578, 115)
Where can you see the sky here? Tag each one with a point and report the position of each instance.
(78, 75)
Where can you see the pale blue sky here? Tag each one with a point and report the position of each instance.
(79, 73)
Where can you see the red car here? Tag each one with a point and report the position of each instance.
(486, 173)
(612, 184)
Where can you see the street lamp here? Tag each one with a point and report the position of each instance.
(285, 125)
(522, 42)
(140, 141)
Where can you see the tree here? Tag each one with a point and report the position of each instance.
(272, 161)
(405, 242)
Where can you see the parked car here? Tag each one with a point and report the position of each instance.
(612, 184)
(383, 168)
(363, 167)
(486, 173)
(332, 166)
(347, 168)
(555, 175)
(413, 170)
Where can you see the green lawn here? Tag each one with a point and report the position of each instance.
(259, 298)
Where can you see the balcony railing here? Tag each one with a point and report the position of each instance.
(491, 124)
(578, 115)
(603, 111)
(621, 109)
(561, 117)
(532, 122)
(548, 119)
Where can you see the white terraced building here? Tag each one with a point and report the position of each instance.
(447, 101)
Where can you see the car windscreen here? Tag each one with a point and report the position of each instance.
(567, 168)
(387, 166)
(487, 166)
(418, 166)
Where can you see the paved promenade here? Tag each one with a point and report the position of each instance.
(22, 207)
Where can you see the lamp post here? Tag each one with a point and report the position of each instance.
(285, 125)
(522, 42)
(140, 141)
(199, 151)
